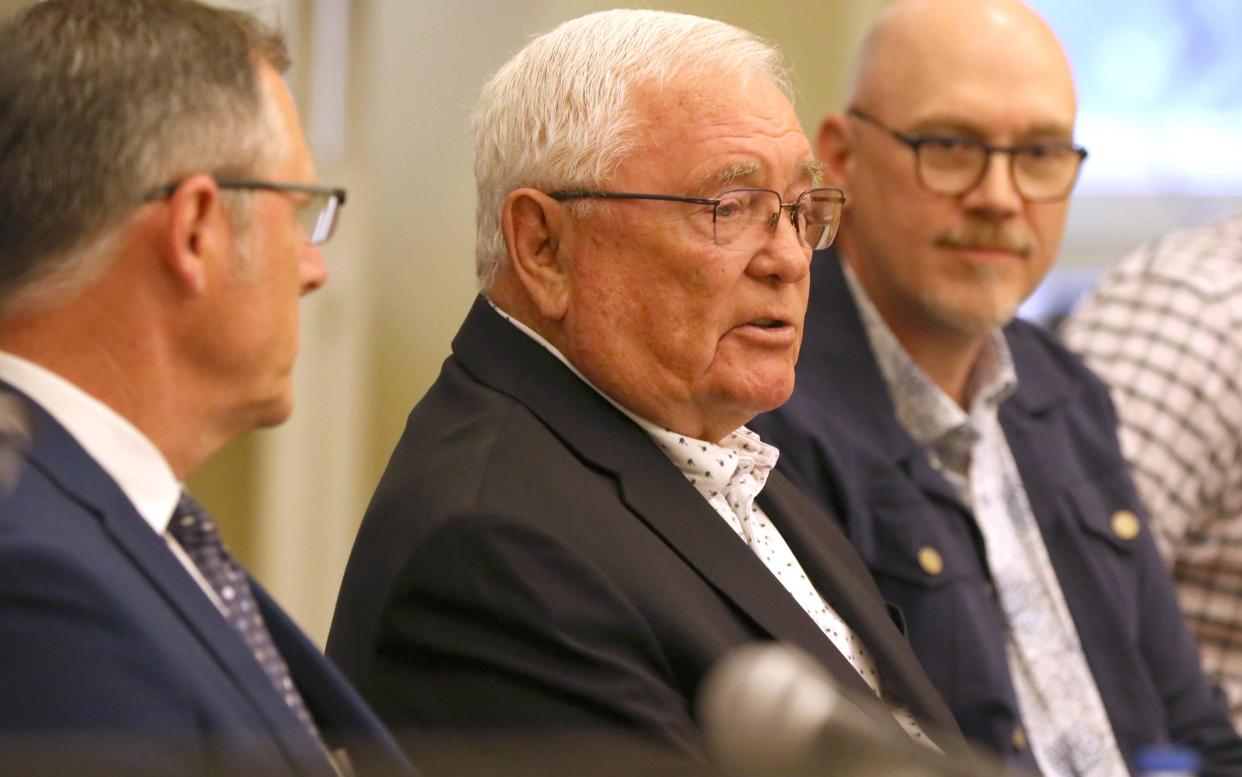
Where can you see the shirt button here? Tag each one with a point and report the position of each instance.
(1019, 738)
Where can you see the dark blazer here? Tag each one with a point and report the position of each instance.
(114, 661)
(531, 562)
(841, 442)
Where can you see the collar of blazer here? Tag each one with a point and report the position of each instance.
(59, 458)
(840, 382)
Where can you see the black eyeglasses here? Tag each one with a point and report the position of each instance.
(317, 216)
(744, 219)
(953, 165)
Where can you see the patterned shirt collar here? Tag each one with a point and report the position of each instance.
(922, 408)
(713, 467)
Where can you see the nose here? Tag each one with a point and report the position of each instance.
(313, 269)
(782, 256)
(996, 193)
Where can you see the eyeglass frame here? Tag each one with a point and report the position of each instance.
(335, 194)
(564, 195)
(915, 141)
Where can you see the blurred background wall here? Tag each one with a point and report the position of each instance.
(385, 88)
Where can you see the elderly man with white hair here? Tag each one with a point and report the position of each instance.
(576, 523)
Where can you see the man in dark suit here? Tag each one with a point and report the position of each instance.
(973, 461)
(159, 222)
(575, 524)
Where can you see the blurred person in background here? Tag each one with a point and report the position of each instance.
(1162, 328)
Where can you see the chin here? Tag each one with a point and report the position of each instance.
(769, 397)
(975, 311)
(275, 411)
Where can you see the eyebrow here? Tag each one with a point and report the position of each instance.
(810, 169)
(1050, 129)
(727, 175)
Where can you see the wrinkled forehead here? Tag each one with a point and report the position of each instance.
(732, 129)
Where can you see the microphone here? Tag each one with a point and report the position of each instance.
(770, 710)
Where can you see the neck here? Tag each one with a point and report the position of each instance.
(947, 362)
(115, 353)
(682, 418)
(946, 354)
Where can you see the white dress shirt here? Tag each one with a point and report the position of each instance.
(126, 454)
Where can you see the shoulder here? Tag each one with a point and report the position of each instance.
(1188, 275)
(65, 573)
(1040, 357)
(71, 635)
(465, 446)
(1204, 260)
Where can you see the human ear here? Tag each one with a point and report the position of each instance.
(198, 232)
(532, 223)
(835, 148)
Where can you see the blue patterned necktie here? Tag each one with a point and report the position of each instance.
(196, 532)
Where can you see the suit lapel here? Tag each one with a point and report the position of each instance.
(842, 579)
(497, 354)
(856, 399)
(660, 496)
(343, 718)
(65, 462)
(1029, 419)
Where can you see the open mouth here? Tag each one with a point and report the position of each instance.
(767, 323)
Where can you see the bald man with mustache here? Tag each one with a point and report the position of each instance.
(973, 461)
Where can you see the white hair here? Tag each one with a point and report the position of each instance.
(558, 114)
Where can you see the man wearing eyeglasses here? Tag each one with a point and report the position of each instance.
(576, 524)
(159, 221)
(975, 462)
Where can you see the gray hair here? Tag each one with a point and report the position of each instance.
(101, 102)
(559, 115)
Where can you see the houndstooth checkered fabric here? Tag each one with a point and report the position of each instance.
(1164, 330)
(196, 532)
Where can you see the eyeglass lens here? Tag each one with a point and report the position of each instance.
(1039, 172)
(745, 218)
(317, 217)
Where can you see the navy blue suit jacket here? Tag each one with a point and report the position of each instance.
(841, 442)
(114, 661)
